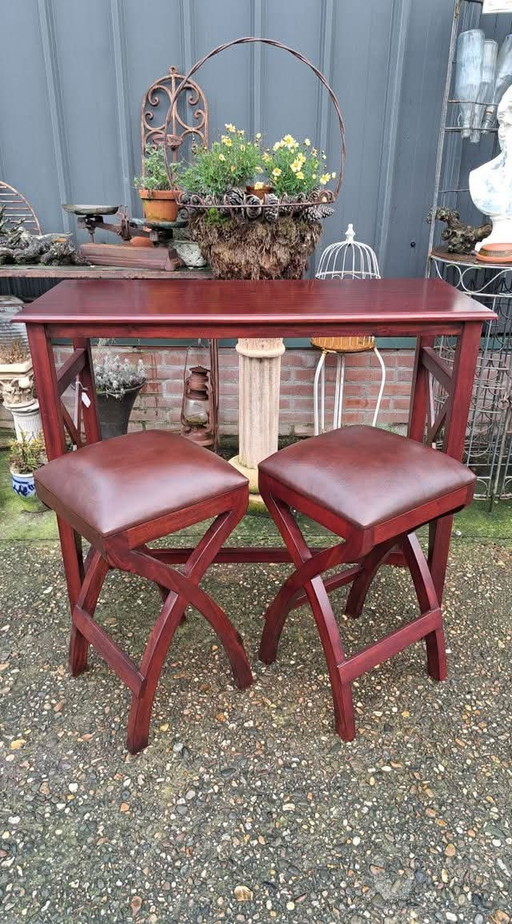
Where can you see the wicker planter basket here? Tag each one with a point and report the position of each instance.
(237, 249)
(275, 238)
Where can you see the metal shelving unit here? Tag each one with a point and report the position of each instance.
(489, 436)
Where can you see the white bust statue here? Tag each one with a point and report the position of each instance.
(490, 186)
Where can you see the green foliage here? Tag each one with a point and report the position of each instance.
(294, 168)
(114, 376)
(157, 173)
(289, 168)
(27, 454)
(232, 161)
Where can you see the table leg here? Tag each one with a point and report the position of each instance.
(45, 375)
(89, 409)
(463, 374)
(419, 393)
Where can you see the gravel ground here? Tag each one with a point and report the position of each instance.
(246, 806)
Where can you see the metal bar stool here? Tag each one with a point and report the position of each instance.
(121, 494)
(352, 260)
(372, 488)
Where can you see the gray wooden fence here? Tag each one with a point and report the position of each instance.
(73, 72)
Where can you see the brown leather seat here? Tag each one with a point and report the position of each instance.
(122, 494)
(116, 484)
(366, 475)
(373, 488)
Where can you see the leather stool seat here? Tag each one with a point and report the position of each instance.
(368, 476)
(122, 494)
(373, 488)
(114, 485)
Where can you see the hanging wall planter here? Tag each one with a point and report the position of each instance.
(256, 213)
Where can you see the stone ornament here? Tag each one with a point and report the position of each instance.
(490, 185)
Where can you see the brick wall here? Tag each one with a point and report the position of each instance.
(159, 402)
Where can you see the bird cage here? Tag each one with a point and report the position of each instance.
(348, 259)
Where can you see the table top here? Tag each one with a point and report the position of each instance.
(158, 301)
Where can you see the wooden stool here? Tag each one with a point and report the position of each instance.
(372, 488)
(121, 494)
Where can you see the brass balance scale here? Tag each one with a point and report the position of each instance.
(145, 243)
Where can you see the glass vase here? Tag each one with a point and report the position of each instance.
(486, 88)
(502, 82)
(468, 74)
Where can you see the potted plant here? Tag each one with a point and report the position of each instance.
(157, 186)
(118, 382)
(14, 360)
(26, 455)
(17, 388)
(256, 214)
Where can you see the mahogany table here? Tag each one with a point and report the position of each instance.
(177, 308)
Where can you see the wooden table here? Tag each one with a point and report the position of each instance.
(176, 308)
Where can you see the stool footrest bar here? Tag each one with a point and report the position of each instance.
(124, 667)
(401, 638)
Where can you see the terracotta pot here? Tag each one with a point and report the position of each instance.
(140, 241)
(160, 204)
(261, 192)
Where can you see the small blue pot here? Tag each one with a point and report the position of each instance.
(23, 484)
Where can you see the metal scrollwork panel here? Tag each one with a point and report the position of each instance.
(171, 118)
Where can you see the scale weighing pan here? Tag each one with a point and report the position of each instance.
(90, 209)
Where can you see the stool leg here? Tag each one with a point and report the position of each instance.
(96, 571)
(361, 584)
(286, 598)
(382, 384)
(319, 394)
(322, 612)
(182, 590)
(338, 393)
(427, 600)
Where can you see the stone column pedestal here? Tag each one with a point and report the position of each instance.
(258, 414)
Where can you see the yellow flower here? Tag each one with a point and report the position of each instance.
(227, 142)
(266, 156)
(325, 178)
(240, 131)
(221, 157)
(295, 166)
(242, 147)
(232, 168)
(258, 136)
(307, 142)
(288, 139)
(299, 175)
(229, 127)
(276, 171)
(313, 176)
(258, 169)
(277, 146)
(259, 185)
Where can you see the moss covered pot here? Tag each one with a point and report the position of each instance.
(238, 249)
